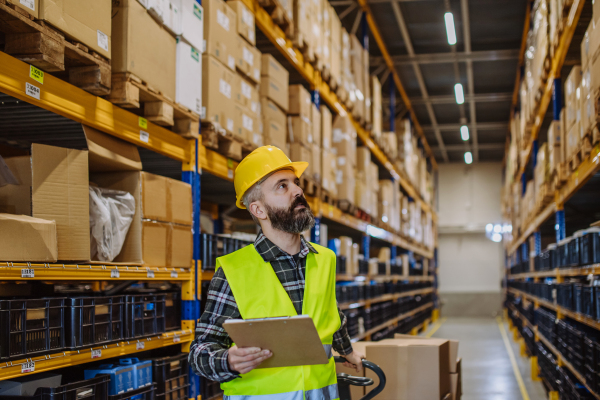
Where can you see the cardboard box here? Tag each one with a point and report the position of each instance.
(137, 38)
(363, 159)
(328, 168)
(273, 69)
(245, 21)
(345, 179)
(190, 20)
(316, 162)
(155, 238)
(231, 149)
(274, 134)
(315, 120)
(248, 59)
(189, 77)
(46, 176)
(572, 95)
(181, 246)
(301, 130)
(452, 349)
(220, 32)
(154, 196)
(179, 202)
(246, 94)
(415, 369)
(301, 152)
(275, 90)
(218, 93)
(270, 111)
(24, 238)
(326, 128)
(376, 106)
(344, 139)
(85, 22)
(245, 123)
(299, 101)
(31, 6)
(356, 392)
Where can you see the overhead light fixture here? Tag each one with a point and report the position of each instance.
(450, 31)
(464, 132)
(468, 157)
(459, 94)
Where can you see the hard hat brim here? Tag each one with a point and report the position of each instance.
(299, 167)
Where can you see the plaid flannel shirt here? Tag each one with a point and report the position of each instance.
(209, 351)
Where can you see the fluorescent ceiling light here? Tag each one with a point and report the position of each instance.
(459, 94)
(468, 157)
(464, 132)
(449, 18)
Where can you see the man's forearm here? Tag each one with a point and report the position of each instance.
(209, 360)
(341, 340)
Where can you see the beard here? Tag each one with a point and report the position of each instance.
(291, 220)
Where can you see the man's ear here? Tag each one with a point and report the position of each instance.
(258, 210)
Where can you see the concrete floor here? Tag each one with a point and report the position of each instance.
(487, 372)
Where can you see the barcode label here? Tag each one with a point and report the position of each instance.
(29, 4)
(231, 62)
(230, 174)
(150, 274)
(140, 346)
(225, 88)
(248, 56)
(144, 136)
(32, 91)
(102, 40)
(229, 124)
(174, 274)
(176, 339)
(114, 273)
(36, 74)
(143, 122)
(223, 20)
(96, 353)
(247, 122)
(27, 273)
(28, 367)
(246, 90)
(247, 17)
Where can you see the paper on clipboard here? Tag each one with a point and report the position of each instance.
(293, 341)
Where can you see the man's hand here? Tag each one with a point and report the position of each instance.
(245, 359)
(354, 360)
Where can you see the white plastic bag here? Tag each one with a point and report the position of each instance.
(111, 213)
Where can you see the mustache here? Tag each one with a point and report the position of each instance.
(300, 201)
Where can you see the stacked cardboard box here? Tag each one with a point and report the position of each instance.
(363, 194)
(367, 89)
(358, 77)
(347, 94)
(300, 134)
(573, 111)
(326, 39)
(555, 146)
(274, 99)
(315, 120)
(335, 49)
(316, 31)
(376, 108)
(328, 160)
(541, 173)
(344, 146)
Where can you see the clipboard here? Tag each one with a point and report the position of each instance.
(294, 341)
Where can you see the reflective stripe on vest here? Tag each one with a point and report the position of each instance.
(259, 294)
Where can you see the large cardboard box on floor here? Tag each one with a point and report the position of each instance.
(137, 36)
(452, 349)
(356, 392)
(54, 187)
(87, 22)
(248, 60)
(415, 369)
(245, 21)
(218, 93)
(220, 32)
(28, 239)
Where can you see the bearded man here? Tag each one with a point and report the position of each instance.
(281, 274)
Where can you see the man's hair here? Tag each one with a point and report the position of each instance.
(255, 193)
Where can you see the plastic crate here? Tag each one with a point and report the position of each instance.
(94, 320)
(210, 389)
(340, 265)
(173, 310)
(31, 326)
(144, 315)
(143, 393)
(89, 389)
(170, 375)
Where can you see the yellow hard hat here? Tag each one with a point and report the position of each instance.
(258, 164)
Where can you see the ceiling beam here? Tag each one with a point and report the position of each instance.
(482, 126)
(464, 147)
(448, 58)
(348, 10)
(476, 98)
(417, 70)
(356, 22)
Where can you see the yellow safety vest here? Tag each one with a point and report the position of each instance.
(259, 294)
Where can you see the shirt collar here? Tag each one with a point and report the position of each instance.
(270, 252)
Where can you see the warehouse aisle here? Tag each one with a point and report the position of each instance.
(487, 372)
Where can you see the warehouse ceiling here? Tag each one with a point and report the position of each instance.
(484, 60)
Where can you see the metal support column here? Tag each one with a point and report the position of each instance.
(364, 27)
(315, 232)
(366, 245)
(392, 106)
(561, 229)
(316, 98)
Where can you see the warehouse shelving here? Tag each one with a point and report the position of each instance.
(392, 321)
(385, 297)
(270, 29)
(49, 362)
(561, 360)
(559, 273)
(555, 69)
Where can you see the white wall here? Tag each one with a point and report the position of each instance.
(469, 198)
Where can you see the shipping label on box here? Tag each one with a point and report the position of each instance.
(218, 93)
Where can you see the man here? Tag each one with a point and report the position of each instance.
(280, 275)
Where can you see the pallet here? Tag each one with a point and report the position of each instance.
(309, 186)
(37, 43)
(559, 176)
(341, 93)
(279, 15)
(326, 197)
(585, 148)
(129, 91)
(217, 138)
(544, 196)
(347, 207)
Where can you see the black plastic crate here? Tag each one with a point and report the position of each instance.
(210, 389)
(170, 374)
(31, 326)
(89, 389)
(172, 311)
(340, 265)
(574, 259)
(94, 320)
(588, 301)
(144, 315)
(143, 393)
(563, 253)
(589, 246)
(363, 267)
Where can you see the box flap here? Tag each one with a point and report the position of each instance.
(108, 153)
(24, 238)
(16, 199)
(453, 356)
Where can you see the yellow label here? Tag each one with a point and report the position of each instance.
(143, 122)
(36, 74)
(229, 163)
